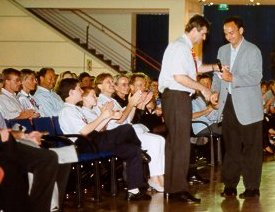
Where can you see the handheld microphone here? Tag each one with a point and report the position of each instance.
(219, 65)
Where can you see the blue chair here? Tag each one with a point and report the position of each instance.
(44, 124)
(89, 157)
(21, 122)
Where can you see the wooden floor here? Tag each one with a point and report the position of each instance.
(210, 195)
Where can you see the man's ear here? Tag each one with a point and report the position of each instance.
(71, 92)
(241, 30)
(99, 86)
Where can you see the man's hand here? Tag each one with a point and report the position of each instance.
(214, 99)
(226, 75)
(206, 93)
(4, 134)
(135, 99)
(34, 136)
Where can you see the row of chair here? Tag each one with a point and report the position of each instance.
(52, 127)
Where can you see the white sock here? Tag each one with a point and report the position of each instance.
(134, 191)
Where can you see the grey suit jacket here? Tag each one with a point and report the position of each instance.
(247, 75)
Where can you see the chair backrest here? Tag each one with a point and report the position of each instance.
(44, 124)
(57, 128)
(23, 122)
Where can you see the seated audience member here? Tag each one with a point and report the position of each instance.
(147, 111)
(122, 141)
(10, 107)
(154, 144)
(29, 82)
(29, 144)
(49, 102)
(1, 81)
(86, 80)
(17, 159)
(202, 111)
(63, 75)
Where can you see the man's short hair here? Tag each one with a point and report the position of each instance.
(7, 72)
(236, 19)
(26, 72)
(65, 86)
(197, 21)
(42, 72)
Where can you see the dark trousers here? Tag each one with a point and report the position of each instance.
(243, 150)
(177, 111)
(124, 143)
(44, 166)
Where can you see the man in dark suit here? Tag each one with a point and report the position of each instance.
(240, 102)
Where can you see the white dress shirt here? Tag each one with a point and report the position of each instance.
(177, 60)
(50, 103)
(10, 106)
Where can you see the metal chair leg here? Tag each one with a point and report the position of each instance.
(78, 185)
(113, 177)
(212, 160)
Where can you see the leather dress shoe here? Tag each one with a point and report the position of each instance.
(145, 157)
(197, 179)
(183, 196)
(250, 193)
(229, 192)
(139, 196)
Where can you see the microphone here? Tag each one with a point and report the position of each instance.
(219, 65)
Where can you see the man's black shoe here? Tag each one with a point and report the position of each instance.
(250, 193)
(182, 196)
(229, 192)
(145, 157)
(197, 179)
(139, 196)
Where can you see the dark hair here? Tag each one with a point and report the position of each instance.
(7, 72)
(197, 21)
(99, 79)
(42, 72)
(236, 19)
(26, 72)
(83, 75)
(65, 86)
(204, 76)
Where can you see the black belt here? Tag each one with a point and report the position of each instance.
(186, 92)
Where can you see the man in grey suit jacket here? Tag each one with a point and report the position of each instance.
(240, 103)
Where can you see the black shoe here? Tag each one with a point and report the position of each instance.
(229, 192)
(139, 196)
(250, 193)
(183, 196)
(197, 179)
(145, 157)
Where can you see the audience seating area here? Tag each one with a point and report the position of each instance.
(50, 125)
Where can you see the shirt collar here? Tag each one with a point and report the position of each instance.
(7, 93)
(238, 47)
(188, 41)
(42, 88)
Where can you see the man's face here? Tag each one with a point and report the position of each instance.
(107, 87)
(13, 84)
(200, 35)
(139, 84)
(86, 82)
(48, 81)
(122, 85)
(29, 83)
(77, 93)
(232, 33)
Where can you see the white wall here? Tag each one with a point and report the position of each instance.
(27, 43)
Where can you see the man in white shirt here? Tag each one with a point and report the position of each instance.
(10, 106)
(177, 82)
(50, 102)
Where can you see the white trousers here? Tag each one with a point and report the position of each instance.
(155, 145)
